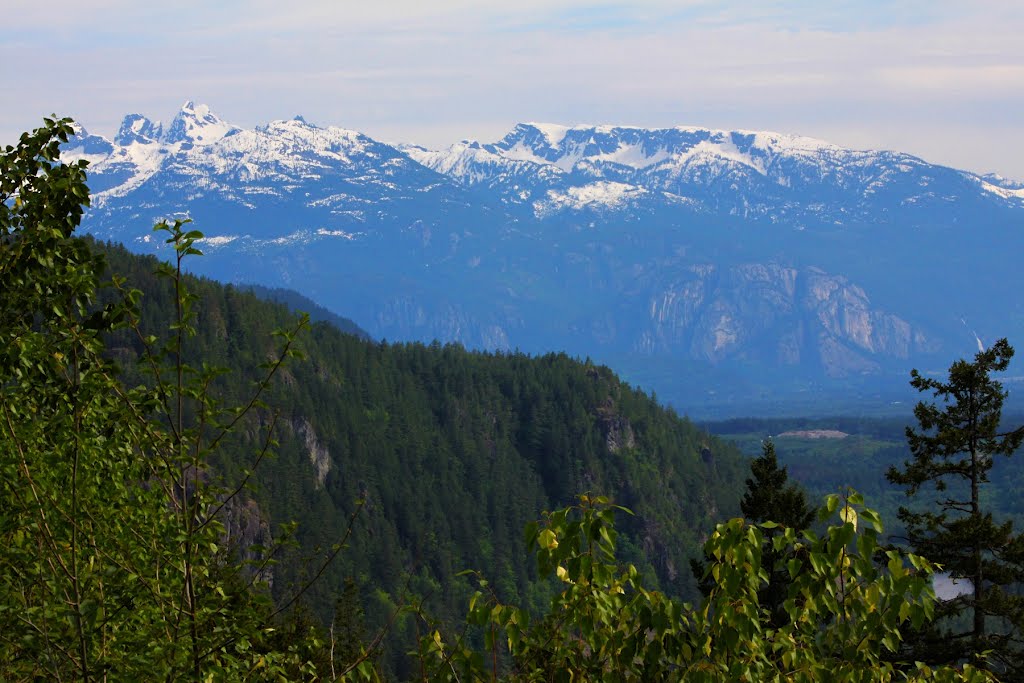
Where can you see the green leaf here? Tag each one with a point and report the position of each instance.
(849, 516)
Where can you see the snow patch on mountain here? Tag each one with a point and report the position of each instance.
(553, 132)
(777, 143)
(713, 152)
(218, 240)
(338, 233)
(602, 194)
(1003, 181)
(1004, 192)
(634, 156)
(83, 146)
(76, 154)
(522, 151)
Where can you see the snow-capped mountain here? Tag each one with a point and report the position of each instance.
(751, 174)
(671, 248)
(202, 164)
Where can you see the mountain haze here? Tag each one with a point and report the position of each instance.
(684, 255)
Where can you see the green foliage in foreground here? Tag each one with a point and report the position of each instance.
(847, 602)
(110, 522)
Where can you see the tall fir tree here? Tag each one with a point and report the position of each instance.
(348, 629)
(769, 496)
(953, 450)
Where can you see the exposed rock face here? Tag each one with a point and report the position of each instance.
(618, 432)
(245, 525)
(426, 320)
(319, 456)
(777, 314)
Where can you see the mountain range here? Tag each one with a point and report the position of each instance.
(709, 265)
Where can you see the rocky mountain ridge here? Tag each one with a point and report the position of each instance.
(678, 248)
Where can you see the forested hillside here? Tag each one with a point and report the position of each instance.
(452, 451)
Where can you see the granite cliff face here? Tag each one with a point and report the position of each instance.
(704, 249)
(778, 315)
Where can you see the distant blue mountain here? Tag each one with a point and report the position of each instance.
(692, 259)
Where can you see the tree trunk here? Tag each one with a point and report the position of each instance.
(978, 577)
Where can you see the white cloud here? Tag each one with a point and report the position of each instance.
(981, 79)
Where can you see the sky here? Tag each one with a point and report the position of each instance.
(940, 79)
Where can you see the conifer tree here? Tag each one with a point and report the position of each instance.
(953, 449)
(769, 497)
(348, 632)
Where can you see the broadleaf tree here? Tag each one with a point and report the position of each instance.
(846, 610)
(111, 565)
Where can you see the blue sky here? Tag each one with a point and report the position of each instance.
(943, 80)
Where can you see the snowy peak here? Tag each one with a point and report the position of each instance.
(197, 125)
(84, 145)
(540, 169)
(136, 128)
(749, 174)
(200, 158)
(331, 140)
(639, 148)
(468, 160)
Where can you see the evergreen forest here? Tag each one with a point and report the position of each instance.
(452, 451)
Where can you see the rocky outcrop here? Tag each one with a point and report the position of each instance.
(319, 456)
(410, 317)
(776, 314)
(617, 430)
(246, 528)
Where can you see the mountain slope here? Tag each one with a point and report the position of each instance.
(719, 254)
(300, 304)
(454, 451)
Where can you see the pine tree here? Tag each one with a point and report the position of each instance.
(769, 497)
(348, 631)
(953, 450)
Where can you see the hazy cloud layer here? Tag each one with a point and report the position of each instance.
(944, 80)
